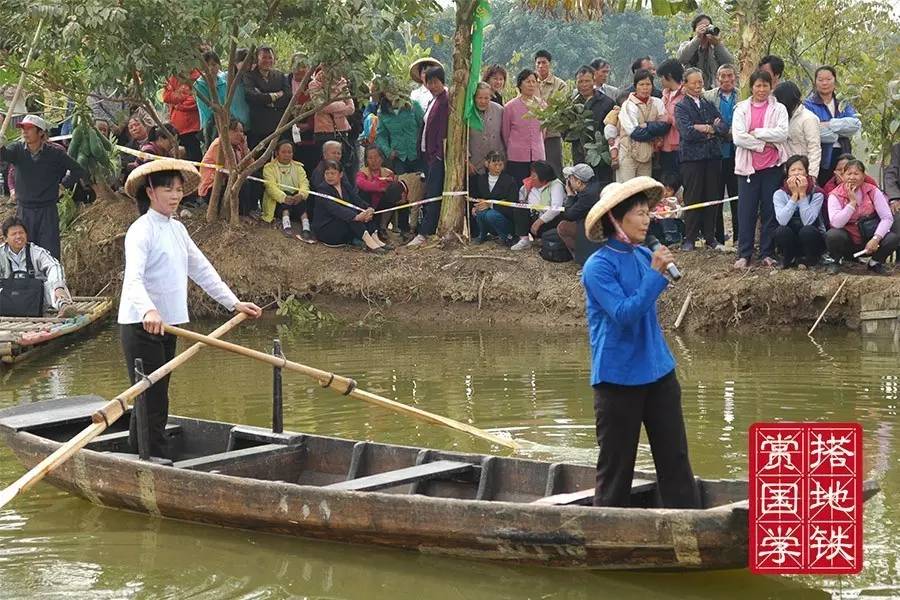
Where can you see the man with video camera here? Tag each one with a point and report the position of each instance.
(704, 50)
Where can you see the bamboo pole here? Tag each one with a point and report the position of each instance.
(824, 310)
(343, 385)
(18, 93)
(684, 309)
(106, 416)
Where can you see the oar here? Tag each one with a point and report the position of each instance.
(343, 385)
(105, 417)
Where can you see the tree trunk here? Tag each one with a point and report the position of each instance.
(453, 208)
(215, 195)
(747, 17)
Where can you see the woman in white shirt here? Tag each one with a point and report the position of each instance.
(803, 126)
(546, 193)
(159, 258)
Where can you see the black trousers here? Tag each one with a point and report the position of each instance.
(307, 156)
(337, 233)
(191, 143)
(619, 411)
(729, 189)
(155, 351)
(434, 187)
(701, 184)
(42, 224)
(295, 211)
(841, 247)
(795, 241)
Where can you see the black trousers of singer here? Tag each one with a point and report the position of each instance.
(155, 351)
(619, 411)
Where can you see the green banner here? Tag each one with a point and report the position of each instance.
(482, 16)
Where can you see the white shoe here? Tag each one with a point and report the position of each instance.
(522, 244)
(416, 241)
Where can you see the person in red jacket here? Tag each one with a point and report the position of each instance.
(379, 187)
(183, 114)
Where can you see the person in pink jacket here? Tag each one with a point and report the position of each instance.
(760, 132)
(330, 122)
(521, 132)
(861, 219)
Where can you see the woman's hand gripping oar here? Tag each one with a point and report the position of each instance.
(106, 416)
(344, 385)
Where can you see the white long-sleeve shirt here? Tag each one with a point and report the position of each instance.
(553, 194)
(159, 258)
(46, 268)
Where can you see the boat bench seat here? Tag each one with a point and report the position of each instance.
(224, 458)
(431, 470)
(583, 496)
(156, 460)
(171, 430)
(243, 436)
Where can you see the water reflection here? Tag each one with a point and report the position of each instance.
(532, 387)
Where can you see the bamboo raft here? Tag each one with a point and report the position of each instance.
(22, 337)
(513, 510)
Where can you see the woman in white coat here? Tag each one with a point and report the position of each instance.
(760, 132)
(803, 126)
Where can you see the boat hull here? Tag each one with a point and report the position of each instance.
(512, 532)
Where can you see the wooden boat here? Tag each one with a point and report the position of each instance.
(22, 337)
(450, 503)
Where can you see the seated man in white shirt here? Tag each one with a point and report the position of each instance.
(14, 258)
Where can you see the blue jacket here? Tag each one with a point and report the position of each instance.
(627, 344)
(693, 145)
(818, 108)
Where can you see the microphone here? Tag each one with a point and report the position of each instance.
(654, 245)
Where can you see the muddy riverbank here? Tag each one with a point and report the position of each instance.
(462, 284)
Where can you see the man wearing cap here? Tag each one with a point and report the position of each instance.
(632, 369)
(582, 192)
(422, 95)
(40, 169)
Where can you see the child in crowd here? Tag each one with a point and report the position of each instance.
(666, 225)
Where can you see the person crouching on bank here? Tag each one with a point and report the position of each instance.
(632, 369)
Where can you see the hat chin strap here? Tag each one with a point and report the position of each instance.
(620, 235)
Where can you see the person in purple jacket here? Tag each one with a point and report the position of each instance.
(431, 147)
(632, 368)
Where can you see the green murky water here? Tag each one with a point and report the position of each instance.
(533, 385)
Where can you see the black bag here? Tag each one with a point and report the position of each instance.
(22, 294)
(867, 227)
(553, 249)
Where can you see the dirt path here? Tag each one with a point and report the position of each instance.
(476, 284)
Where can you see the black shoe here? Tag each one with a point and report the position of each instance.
(877, 268)
(833, 268)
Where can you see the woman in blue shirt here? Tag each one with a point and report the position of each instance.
(632, 369)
